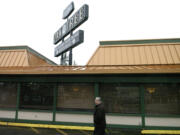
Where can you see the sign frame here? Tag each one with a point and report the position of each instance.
(73, 41)
(72, 23)
(69, 9)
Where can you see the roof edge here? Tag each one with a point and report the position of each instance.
(41, 56)
(90, 70)
(92, 55)
(30, 50)
(143, 41)
(13, 47)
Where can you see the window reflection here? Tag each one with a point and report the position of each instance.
(36, 96)
(8, 96)
(75, 96)
(162, 98)
(120, 98)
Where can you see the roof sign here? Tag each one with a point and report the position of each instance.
(74, 40)
(76, 20)
(69, 9)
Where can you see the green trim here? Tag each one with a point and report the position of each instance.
(162, 115)
(34, 121)
(30, 110)
(96, 89)
(91, 124)
(55, 123)
(13, 47)
(30, 50)
(142, 105)
(55, 101)
(73, 124)
(146, 41)
(7, 120)
(99, 78)
(74, 112)
(161, 127)
(66, 112)
(8, 109)
(120, 114)
(124, 126)
(18, 100)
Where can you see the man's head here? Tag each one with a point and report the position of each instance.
(98, 100)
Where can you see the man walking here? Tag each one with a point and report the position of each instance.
(99, 117)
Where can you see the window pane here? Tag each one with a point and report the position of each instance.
(75, 96)
(120, 98)
(162, 99)
(8, 96)
(36, 96)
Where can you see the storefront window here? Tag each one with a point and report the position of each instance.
(36, 96)
(162, 99)
(75, 96)
(120, 98)
(8, 95)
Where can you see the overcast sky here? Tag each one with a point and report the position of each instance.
(34, 22)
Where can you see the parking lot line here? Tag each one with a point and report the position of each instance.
(61, 131)
(35, 130)
(160, 132)
(84, 132)
(47, 126)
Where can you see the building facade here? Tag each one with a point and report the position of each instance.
(138, 80)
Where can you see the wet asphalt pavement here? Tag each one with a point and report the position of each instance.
(39, 131)
(5, 130)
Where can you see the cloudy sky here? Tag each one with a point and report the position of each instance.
(34, 22)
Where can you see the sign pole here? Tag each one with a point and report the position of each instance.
(62, 55)
(70, 52)
(67, 28)
(61, 59)
(70, 57)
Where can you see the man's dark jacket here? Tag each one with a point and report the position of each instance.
(99, 116)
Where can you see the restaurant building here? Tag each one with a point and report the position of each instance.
(138, 80)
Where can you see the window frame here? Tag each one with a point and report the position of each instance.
(124, 85)
(158, 114)
(85, 110)
(36, 108)
(16, 94)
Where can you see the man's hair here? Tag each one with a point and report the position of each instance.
(98, 98)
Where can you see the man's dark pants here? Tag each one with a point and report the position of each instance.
(99, 131)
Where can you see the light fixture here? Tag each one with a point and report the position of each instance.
(75, 89)
(151, 90)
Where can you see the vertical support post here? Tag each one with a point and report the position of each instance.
(142, 105)
(18, 100)
(54, 101)
(70, 52)
(96, 90)
(62, 59)
(70, 57)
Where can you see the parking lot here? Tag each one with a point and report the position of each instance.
(5, 130)
(40, 131)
